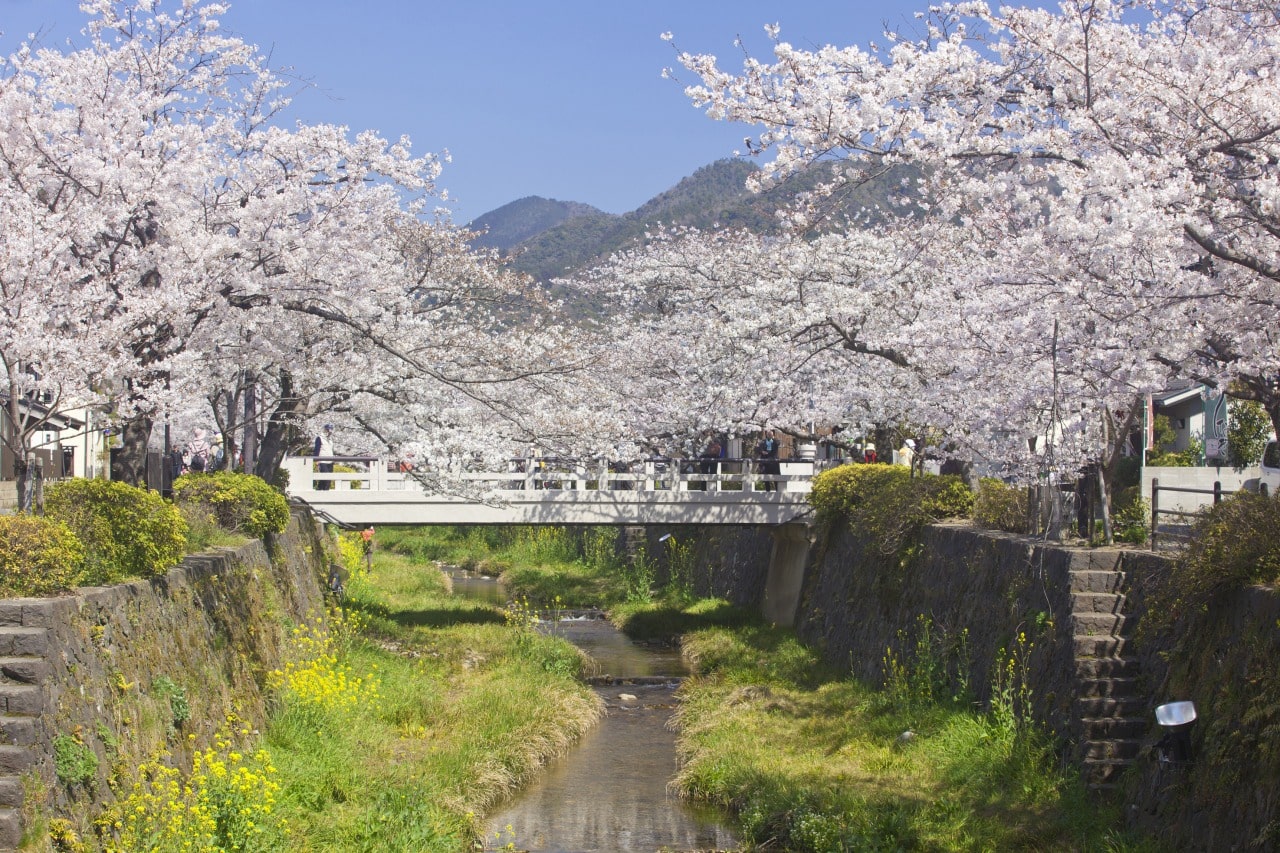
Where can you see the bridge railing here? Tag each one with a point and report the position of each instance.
(376, 474)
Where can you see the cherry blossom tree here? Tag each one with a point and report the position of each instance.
(1110, 171)
(172, 246)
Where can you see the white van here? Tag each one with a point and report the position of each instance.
(1270, 477)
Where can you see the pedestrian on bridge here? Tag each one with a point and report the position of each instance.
(710, 459)
(767, 454)
(324, 448)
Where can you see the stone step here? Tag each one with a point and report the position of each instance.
(1102, 623)
(1121, 688)
(1113, 728)
(1096, 602)
(1103, 667)
(1096, 581)
(1108, 706)
(1097, 646)
(24, 670)
(21, 699)
(29, 612)
(1104, 772)
(21, 731)
(10, 829)
(11, 792)
(1124, 749)
(14, 760)
(17, 641)
(1096, 560)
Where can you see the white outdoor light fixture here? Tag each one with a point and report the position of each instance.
(1173, 750)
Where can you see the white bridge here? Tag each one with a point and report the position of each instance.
(367, 491)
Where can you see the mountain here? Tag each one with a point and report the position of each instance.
(550, 239)
(524, 218)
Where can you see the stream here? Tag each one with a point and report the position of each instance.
(610, 792)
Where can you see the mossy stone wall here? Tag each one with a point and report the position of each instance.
(209, 632)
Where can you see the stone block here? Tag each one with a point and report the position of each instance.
(1107, 668)
(1100, 623)
(1097, 646)
(1112, 749)
(1096, 602)
(21, 699)
(10, 829)
(14, 760)
(17, 641)
(1095, 581)
(24, 670)
(10, 792)
(38, 612)
(1119, 688)
(1113, 728)
(19, 731)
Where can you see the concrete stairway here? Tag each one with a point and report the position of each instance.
(1109, 713)
(23, 668)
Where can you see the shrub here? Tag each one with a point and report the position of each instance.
(999, 506)
(886, 503)
(38, 556)
(126, 531)
(1131, 517)
(240, 502)
(1234, 544)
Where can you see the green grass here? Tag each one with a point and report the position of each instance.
(805, 757)
(539, 564)
(468, 709)
(204, 533)
(811, 760)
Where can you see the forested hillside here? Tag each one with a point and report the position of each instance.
(548, 239)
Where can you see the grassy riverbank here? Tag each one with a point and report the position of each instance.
(811, 760)
(428, 712)
(807, 758)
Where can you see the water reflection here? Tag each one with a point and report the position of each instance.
(610, 792)
(474, 587)
(616, 655)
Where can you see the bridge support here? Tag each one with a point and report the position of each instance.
(787, 562)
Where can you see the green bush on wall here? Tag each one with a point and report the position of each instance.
(1234, 544)
(126, 531)
(886, 502)
(1000, 506)
(240, 502)
(38, 556)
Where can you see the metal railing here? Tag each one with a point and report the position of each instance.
(1156, 511)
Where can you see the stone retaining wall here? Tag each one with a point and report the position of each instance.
(991, 587)
(98, 669)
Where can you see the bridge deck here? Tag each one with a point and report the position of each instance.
(377, 496)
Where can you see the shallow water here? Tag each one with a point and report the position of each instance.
(610, 792)
(475, 587)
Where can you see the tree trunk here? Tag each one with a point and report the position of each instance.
(129, 465)
(22, 476)
(281, 432)
(1114, 449)
(250, 444)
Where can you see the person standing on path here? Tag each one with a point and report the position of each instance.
(198, 452)
(324, 448)
(767, 453)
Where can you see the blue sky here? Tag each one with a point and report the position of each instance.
(560, 99)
